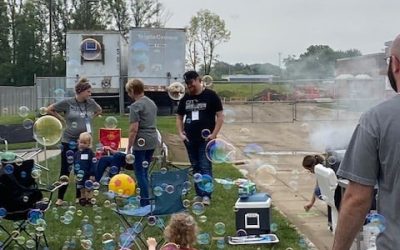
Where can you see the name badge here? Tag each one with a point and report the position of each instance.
(195, 115)
(84, 157)
(87, 123)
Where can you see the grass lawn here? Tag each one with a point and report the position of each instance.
(71, 235)
(248, 90)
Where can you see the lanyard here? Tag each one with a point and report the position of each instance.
(79, 106)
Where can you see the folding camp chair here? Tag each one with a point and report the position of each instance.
(167, 190)
(110, 137)
(22, 201)
(17, 133)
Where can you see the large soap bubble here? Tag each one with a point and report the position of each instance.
(47, 130)
(176, 91)
(219, 151)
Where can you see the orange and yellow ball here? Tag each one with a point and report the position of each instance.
(122, 184)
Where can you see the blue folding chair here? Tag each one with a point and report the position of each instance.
(166, 198)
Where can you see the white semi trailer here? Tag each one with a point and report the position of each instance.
(156, 55)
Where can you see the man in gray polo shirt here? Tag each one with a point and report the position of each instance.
(373, 157)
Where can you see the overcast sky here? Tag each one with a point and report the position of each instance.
(261, 29)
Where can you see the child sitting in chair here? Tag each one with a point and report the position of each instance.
(85, 168)
(180, 233)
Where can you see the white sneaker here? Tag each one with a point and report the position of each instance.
(206, 201)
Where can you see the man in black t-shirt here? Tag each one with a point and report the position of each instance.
(199, 119)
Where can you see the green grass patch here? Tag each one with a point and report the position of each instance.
(63, 235)
(248, 90)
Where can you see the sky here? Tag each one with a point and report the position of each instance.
(263, 29)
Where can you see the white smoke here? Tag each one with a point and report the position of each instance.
(326, 136)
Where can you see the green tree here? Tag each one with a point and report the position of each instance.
(208, 31)
(30, 43)
(118, 12)
(317, 62)
(87, 15)
(148, 13)
(5, 52)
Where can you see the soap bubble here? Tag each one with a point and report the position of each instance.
(221, 243)
(89, 184)
(157, 191)
(23, 111)
(203, 219)
(47, 130)
(176, 91)
(274, 227)
(266, 173)
(219, 228)
(170, 189)
(130, 158)
(36, 173)
(253, 148)
(207, 81)
(74, 124)
(206, 183)
(88, 230)
(19, 162)
(141, 142)
(203, 238)
(197, 177)
(43, 111)
(229, 116)
(198, 208)
(205, 133)
(27, 123)
(59, 94)
(219, 151)
(110, 122)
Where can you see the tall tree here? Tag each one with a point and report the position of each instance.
(5, 51)
(30, 43)
(317, 62)
(148, 13)
(208, 31)
(193, 52)
(87, 15)
(118, 11)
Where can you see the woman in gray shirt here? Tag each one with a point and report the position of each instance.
(142, 134)
(77, 114)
